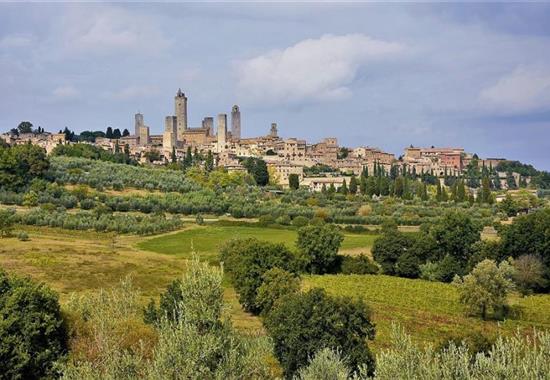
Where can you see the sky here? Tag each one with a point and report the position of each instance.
(383, 75)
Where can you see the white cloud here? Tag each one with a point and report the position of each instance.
(525, 89)
(312, 70)
(108, 29)
(133, 92)
(65, 93)
(15, 41)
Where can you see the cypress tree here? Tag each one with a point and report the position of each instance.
(363, 184)
(353, 185)
(344, 188)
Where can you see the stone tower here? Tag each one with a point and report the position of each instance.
(273, 130)
(180, 101)
(138, 123)
(236, 123)
(170, 132)
(222, 131)
(208, 123)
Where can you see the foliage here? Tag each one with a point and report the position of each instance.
(168, 305)
(276, 283)
(92, 152)
(318, 246)
(7, 221)
(33, 335)
(388, 248)
(294, 181)
(199, 343)
(300, 221)
(246, 261)
(258, 169)
(529, 274)
(509, 358)
(20, 164)
(360, 264)
(305, 323)
(407, 265)
(327, 364)
(485, 289)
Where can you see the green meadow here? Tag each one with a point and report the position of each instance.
(206, 241)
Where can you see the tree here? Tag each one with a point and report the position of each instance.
(109, 133)
(125, 133)
(305, 323)
(438, 194)
(363, 184)
(528, 235)
(407, 265)
(116, 134)
(344, 188)
(353, 185)
(318, 246)
(389, 247)
(294, 181)
(485, 289)
(25, 127)
(276, 283)
(258, 169)
(529, 274)
(455, 234)
(168, 305)
(209, 162)
(399, 187)
(20, 164)
(246, 260)
(486, 191)
(372, 188)
(509, 206)
(33, 335)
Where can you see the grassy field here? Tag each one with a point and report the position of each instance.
(78, 261)
(207, 240)
(428, 310)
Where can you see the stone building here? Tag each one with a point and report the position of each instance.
(235, 123)
(180, 101)
(222, 132)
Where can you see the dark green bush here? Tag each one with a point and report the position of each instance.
(360, 264)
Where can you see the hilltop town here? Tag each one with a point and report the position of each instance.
(284, 156)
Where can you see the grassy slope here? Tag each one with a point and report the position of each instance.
(206, 240)
(428, 310)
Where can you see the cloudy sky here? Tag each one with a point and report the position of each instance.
(385, 75)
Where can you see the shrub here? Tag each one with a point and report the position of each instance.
(23, 236)
(199, 219)
(305, 323)
(266, 220)
(325, 365)
(407, 265)
(246, 261)
(319, 247)
(276, 283)
(300, 221)
(32, 331)
(485, 289)
(283, 220)
(7, 220)
(360, 264)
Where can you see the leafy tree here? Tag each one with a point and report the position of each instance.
(318, 246)
(388, 248)
(511, 181)
(276, 283)
(125, 133)
(20, 164)
(455, 234)
(399, 187)
(353, 185)
(438, 194)
(33, 335)
(372, 187)
(246, 261)
(486, 191)
(109, 133)
(408, 265)
(528, 235)
(209, 162)
(529, 274)
(363, 184)
(509, 206)
(485, 289)
(294, 181)
(25, 127)
(305, 323)
(258, 169)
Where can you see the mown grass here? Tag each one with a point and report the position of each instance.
(207, 240)
(430, 311)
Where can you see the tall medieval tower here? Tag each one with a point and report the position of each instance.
(180, 101)
(236, 123)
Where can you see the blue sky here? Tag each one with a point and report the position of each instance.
(385, 75)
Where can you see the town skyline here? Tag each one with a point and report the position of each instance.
(361, 79)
